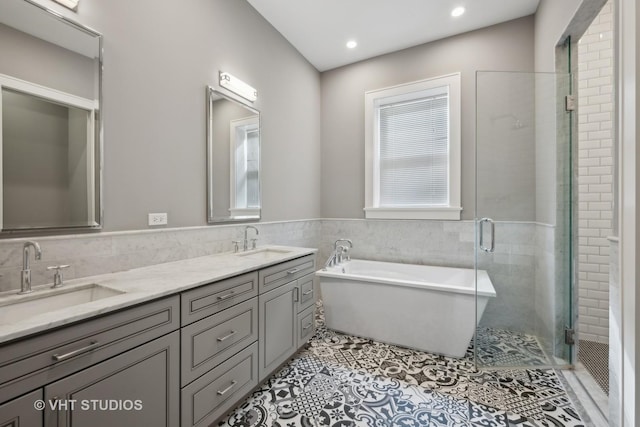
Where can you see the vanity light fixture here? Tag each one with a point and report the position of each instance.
(238, 87)
(71, 4)
(458, 11)
(351, 44)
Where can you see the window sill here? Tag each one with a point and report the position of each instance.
(443, 213)
(244, 212)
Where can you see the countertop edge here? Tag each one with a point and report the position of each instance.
(226, 265)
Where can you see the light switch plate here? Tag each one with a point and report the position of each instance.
(158, 219)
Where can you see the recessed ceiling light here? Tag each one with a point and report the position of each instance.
(351, 44)
(457, 11)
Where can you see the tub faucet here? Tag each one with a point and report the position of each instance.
(25, 285)
(341, 254)
(246, 241)
(333, 258)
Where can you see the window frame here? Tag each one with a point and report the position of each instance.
(407, 91)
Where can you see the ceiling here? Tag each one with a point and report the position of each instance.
(319, 29)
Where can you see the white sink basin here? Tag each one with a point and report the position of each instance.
(264, 254)
(22, 307)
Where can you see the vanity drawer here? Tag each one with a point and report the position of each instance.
(29, 363)
(209, 397)
(306, 326)
(210, 299)
(274, 276)
(210, 341)
(307, 297)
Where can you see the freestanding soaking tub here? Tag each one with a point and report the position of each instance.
(417, 306)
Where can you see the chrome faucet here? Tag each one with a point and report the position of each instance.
(246, 241)
(341, 254)
(25, 286)
(335, 255)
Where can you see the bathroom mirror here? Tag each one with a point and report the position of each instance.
(233, 159)
(50, 122)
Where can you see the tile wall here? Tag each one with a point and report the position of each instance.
(520, 268)
(595, 174)
(99, 253)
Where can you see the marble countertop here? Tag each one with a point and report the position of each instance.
(139, 285)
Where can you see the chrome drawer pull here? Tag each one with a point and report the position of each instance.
(293, 270)
(222, 392)
(60, 357)
(305, 293)
(307, 327)
(229, 295)
(226, 337)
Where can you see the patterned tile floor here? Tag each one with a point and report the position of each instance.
(344, 381)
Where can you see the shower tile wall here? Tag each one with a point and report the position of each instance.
(595, 175)
(91, 254)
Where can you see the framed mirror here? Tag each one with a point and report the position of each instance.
(50, 122)
(233, 159)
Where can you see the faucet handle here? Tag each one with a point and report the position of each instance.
(58, 267)
(57, 276)
(235, 245)
(254, 243)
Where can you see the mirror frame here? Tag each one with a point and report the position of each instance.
(98, 140)
(211, 219)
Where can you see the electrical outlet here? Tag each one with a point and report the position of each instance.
(158, 219)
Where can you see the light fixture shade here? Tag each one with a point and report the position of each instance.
(238, 87)
(71, 4)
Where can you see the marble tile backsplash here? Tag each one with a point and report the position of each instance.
(92, 254)
(521, 267)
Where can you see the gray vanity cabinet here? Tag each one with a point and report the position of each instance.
(137, 388)
(278, 327)
(219, 347)
(20, 412)
(184, 360)
(286, 305)
(306, 326)
(212, 395)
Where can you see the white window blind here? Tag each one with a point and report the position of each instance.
(414, 152)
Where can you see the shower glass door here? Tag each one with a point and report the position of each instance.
(523, 219)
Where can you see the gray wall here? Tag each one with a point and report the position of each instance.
(158, 58)
(505, 146)
(551, 21)
(507, 46)
(34, 161)
(35, 60)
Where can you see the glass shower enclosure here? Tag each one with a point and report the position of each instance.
(523, 219)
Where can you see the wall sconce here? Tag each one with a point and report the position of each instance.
(71, 4)
(238, 87)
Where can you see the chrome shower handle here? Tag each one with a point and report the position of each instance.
(493, 235)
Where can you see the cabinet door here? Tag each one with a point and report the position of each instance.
(20, 412)
(136, 388)
(277, 326)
